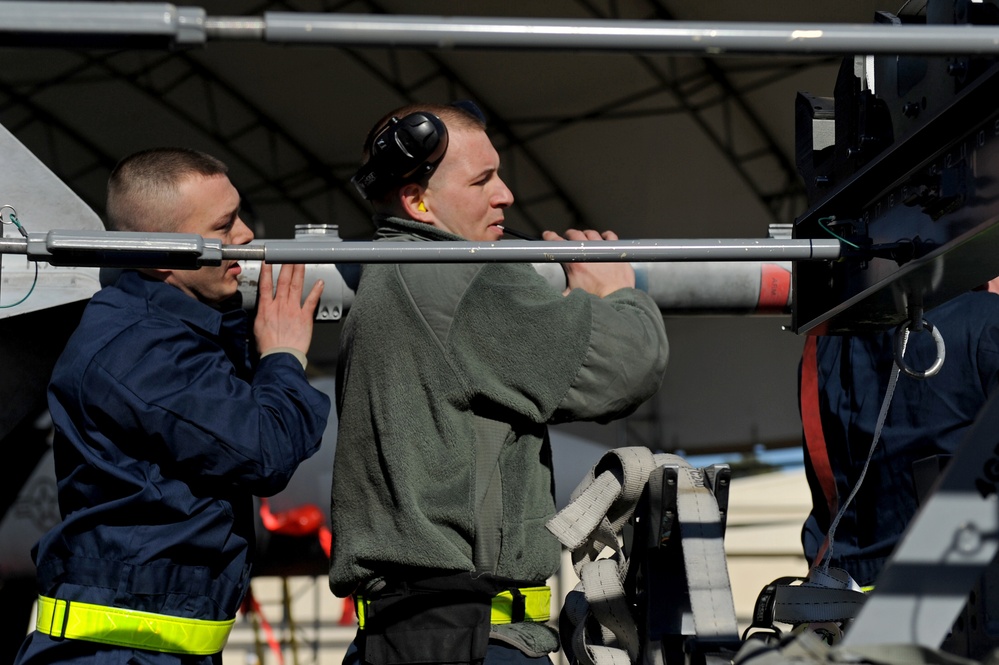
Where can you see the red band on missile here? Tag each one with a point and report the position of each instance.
(775, 288)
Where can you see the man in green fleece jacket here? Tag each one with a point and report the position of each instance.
(449, 376)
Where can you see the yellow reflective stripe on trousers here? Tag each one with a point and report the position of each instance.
(537, 605)
(131, 628)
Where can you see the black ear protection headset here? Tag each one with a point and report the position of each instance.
(405, 150)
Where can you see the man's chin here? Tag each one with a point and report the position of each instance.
(230, 301)
(493, 232)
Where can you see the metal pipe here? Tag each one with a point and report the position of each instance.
(45, 23)
(616, 35)
(175, 250)
(111, 23)
(13, 245)
(516, 251)
(251, 28)
(674, 274)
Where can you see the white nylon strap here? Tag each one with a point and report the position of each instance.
(828, 594)
(834, 578)
(805, 604)
(598, 509)
(574, 524)
(601, 505)
(598, 655)
(576, 610)
(609, 605)
(702, 538)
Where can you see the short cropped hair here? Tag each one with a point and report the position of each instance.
(141, 187)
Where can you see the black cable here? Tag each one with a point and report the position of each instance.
(518, 234)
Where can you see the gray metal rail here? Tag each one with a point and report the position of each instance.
(735, 277)
(178, 250)
(108, 23)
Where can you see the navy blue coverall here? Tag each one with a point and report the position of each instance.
(849, 376)
(163, 435)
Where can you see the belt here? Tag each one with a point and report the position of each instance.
(130, 628)
(511, 606)
(526, 604)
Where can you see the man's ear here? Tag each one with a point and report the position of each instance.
(411, 199)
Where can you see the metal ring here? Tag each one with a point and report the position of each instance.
(13, 214)
(901, 337)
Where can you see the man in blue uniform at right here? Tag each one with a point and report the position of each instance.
(167, 423)
(843, 383)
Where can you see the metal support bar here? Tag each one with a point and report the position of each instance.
(28, 23)
(615, 35)
(118, 249)
(675, 276)
(110, 23)
(514, 251)
(174, 250)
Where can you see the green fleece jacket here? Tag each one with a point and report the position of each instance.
(448, 377)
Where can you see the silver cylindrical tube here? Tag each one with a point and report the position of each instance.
(713, 289)
(724, 288)
(622, 35)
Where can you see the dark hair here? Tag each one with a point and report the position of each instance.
(141, 185)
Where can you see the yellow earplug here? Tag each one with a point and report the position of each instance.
(421, 207)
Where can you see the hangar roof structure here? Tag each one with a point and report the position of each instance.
(651, 145)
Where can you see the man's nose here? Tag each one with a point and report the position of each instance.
(241, 233)
(504, 197)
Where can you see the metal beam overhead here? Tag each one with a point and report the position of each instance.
(30, 22)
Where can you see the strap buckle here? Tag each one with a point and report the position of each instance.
(518, 606)
(515, 605)
(61, 635)
(763, 610)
